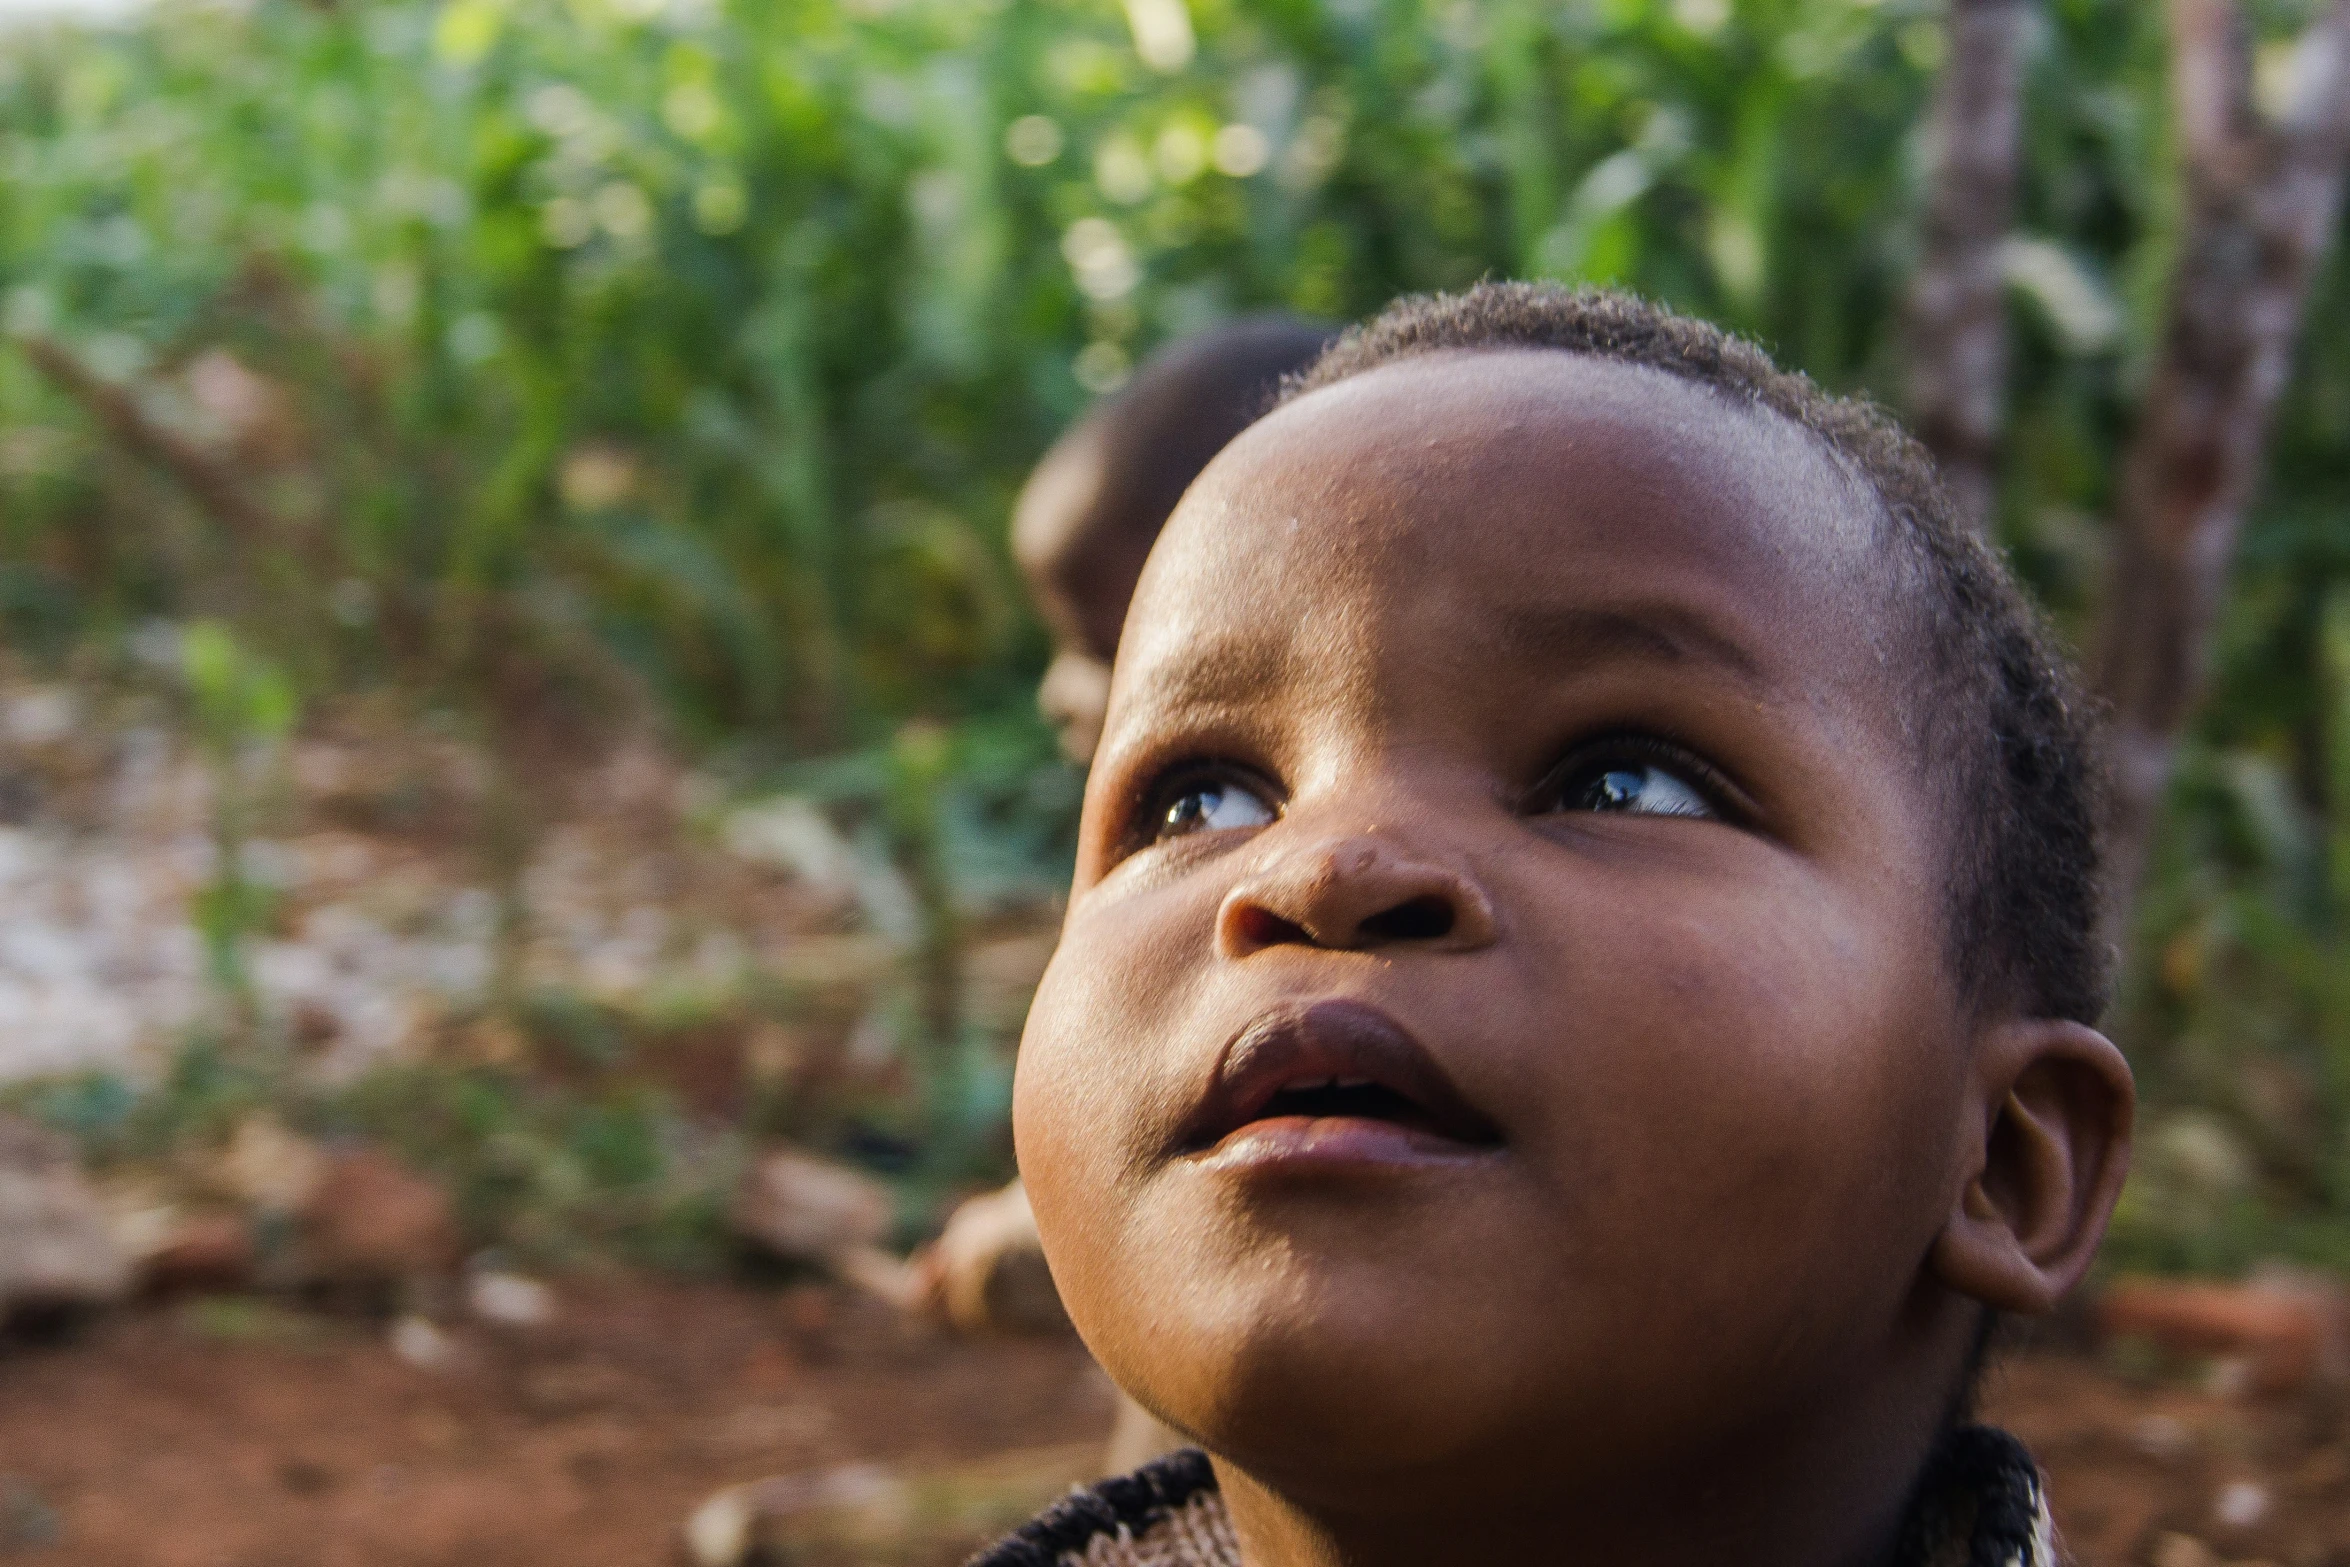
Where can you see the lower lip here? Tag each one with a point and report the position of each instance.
(1336, 1142)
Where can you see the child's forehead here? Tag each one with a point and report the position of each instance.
(1443, 426)
(1447, 497)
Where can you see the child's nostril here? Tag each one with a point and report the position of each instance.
(1417, 919)
(1259, 927)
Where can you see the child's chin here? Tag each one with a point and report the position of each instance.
(1341, 1391)
(1320, 1401)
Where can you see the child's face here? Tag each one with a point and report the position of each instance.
(1521, 734)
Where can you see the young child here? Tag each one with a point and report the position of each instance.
(1575, 1012)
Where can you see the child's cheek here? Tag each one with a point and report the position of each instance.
(1101, 1087)
(1759, 1071)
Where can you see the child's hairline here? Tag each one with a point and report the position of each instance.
(1735, 396)
(1870, 502)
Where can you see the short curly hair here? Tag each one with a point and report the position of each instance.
(2001, 718)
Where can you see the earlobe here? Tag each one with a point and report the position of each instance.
(2039, 1181)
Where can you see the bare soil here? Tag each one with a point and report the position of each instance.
(222, 1434)
(2167, 1473)
(231, 1433)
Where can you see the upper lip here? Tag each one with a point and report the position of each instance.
(1305, 1045)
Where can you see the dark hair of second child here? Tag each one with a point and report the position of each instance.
(1094, 505)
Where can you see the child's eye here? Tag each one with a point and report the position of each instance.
(1205, 802)
(1636, 788)
(1636, 777)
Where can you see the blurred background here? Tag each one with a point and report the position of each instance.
(525, 830)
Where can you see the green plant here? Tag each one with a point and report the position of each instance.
(244, 707)
(563, 365)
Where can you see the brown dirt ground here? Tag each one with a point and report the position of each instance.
(220, 1434)
(232, 1434)
(2169, 1474)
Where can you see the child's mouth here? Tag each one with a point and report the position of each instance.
(1333, 1082)
(1358, 1098)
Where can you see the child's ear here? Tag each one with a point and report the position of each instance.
(2056, 1102)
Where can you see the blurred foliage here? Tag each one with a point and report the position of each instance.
(553, 1161)
(505, 354)
(243, 710)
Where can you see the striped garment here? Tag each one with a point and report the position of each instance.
(1981, 1503)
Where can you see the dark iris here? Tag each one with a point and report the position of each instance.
(1192, 809)
(1617, 789)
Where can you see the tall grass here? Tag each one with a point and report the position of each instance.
(537, 361)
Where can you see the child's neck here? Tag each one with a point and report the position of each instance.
(1824, 1492)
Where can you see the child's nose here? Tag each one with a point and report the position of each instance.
(1352, 893)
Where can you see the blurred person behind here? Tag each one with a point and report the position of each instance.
(1091, 510)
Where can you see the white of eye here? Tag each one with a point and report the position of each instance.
(1219, 806)
(1638, 789)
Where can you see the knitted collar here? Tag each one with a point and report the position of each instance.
(1981, 1503)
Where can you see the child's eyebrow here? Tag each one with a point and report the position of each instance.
(1646, 633)
(1219, 670)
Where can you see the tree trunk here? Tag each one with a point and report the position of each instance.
(1955, 326)
(2262, 199)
